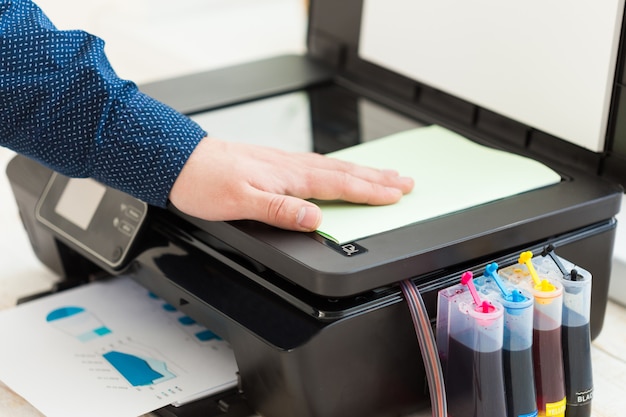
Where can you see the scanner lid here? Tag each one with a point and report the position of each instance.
(545, 77)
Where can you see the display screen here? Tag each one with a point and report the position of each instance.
(80, 200)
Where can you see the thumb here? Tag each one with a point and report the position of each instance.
(287, 212)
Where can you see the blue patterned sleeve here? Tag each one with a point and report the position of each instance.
(63, 105)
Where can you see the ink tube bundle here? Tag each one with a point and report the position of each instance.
(517, 355)
(576, 337)
(546, 347)
(469, 339)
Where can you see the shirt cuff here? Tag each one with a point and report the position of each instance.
(143, 148)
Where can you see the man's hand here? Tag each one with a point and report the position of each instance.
(233, 181)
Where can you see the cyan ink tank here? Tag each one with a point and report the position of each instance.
(575, 331)
(547, 292)
(469, 339)
(517, 354)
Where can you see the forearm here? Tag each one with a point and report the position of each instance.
(63, 105)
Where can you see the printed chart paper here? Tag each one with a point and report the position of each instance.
(109, 348)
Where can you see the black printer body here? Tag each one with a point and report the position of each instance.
(318, 328)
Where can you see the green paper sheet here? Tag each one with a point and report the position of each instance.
(451, 173)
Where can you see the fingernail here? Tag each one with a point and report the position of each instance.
(408, 181)
(308, 217)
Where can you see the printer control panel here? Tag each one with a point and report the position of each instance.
(99, 220)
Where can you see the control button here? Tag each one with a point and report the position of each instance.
(117, 253)
(126, 228)
(133, 213)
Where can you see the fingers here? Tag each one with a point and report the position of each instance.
(379, 189)
(290, 212)
(286, 212)
(325, 177)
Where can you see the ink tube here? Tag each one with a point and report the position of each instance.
(547, 346)
(576, 337)
(473, 354)
(517, 357)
